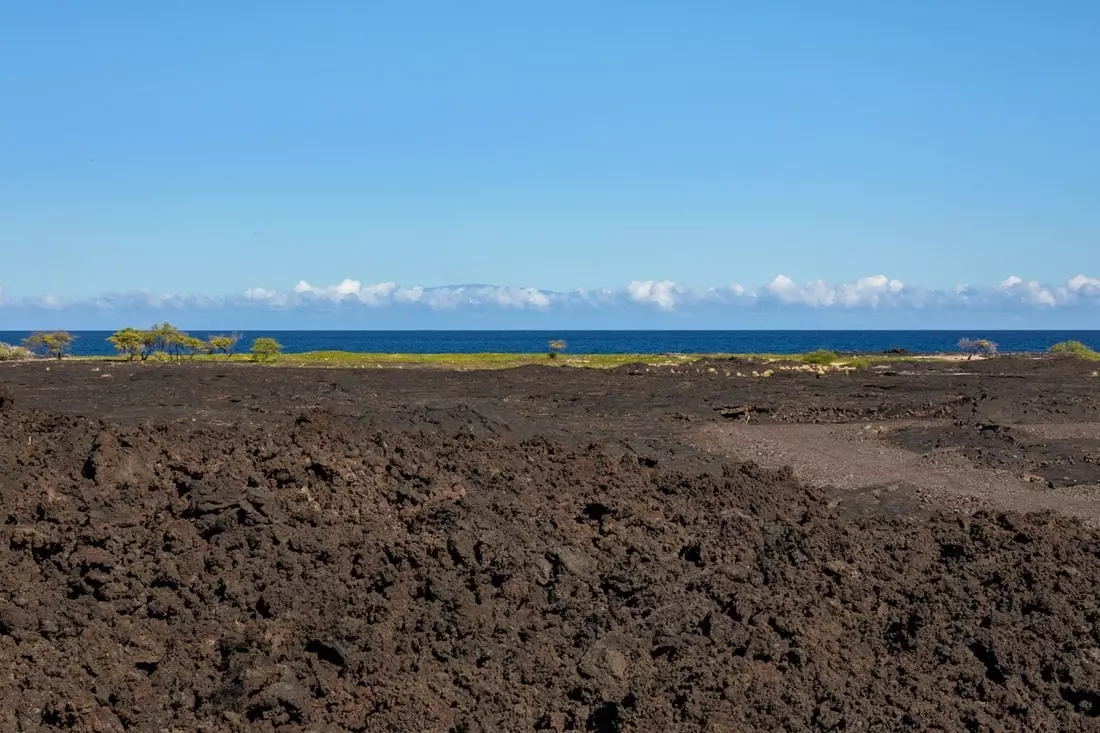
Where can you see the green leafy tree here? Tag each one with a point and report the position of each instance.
(223, 344)
(128, 341)
(149, 341)
(169, 339)
(266, 349)
(193, 345)
(51, 343)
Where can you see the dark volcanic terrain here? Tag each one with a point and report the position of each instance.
(207, 547)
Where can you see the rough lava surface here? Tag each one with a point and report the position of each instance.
(325, 572)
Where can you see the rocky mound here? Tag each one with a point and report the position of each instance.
(327, 575)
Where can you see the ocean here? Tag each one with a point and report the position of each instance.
(93, 343)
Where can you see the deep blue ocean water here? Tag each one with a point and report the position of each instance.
(611, 342)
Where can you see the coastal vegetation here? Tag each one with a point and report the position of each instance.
(165, 341)
(265, 349)
(8, 352)
(1075, 349)
(745, 363)
(821, 357)
(53, 344)
(977, 347)
(223, 344)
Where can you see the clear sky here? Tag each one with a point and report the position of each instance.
(216, 148)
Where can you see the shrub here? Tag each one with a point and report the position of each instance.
(265, 349)
(1075, 349)
(14, 353)
(973, 347)
(822, 357)
(50, 343)
(556, 347)
(860, 363)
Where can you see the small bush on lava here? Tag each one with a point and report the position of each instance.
(14, 353)
(1075, 349)
(266, 349)
(822, 357)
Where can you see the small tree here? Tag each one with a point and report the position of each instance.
(128, 341)
(223, 344)
(193, 345)
(149, 342)
(266, 349)
(168, 338)
(556, 347)
(51, 343)
(973, 347)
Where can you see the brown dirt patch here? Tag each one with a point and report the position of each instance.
(864, 469)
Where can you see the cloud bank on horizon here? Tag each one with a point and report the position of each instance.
(875, 291)
(781, 303)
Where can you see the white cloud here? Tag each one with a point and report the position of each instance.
(449, 298)
(522, 298)
(816, 293)
(1036, 294)
(865, 292)
(598, 298)
(868, 292)
(788, 291)
(408, 295)
(376, 294)
(270, 297)
(1030, 292)
(1081, 285)
(659, 293)
(783, 288)
(444, 298)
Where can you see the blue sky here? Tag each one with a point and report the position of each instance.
(242, 160)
